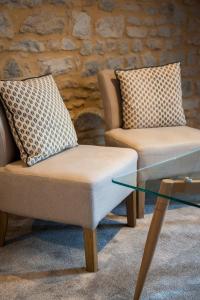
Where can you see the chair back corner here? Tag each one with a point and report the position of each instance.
(111, 97)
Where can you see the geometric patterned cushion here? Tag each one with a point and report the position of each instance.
(152, 97)
(39, 121)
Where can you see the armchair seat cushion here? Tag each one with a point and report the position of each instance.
(155, 144)
(73, 187)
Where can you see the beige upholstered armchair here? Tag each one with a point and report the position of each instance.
(152, 144)
(73, 187)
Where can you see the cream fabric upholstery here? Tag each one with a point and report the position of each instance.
(73, 187)
(110, 90)
(155, 144)
(8, 149)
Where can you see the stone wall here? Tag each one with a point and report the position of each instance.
(75, 39)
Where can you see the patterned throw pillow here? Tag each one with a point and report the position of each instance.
(152, 97)
(39, 120)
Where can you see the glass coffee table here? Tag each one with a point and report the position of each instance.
(176, 179)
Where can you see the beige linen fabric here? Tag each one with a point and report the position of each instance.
(155, 144)
(152, 97)
(74, 187)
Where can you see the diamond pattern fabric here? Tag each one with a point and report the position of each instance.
(152, 97)
(39, 121)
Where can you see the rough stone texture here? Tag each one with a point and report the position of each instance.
(107, 5)
(133, 61)
(12, 70)
(76, 39)
(21, 3)
(82, 26)
(198, 87)
(100, 47)
(137, 45)
(87, 48)
(68, 44)
(110, 27)
(187, 88)
(136, 32)
(28, 46)
(91, 68)
(43, 23)
(155, 44)
(56, 65)
(6, 28)
(134, 20)
(149, 60)
(164, 31)
(123, 47)
(115, 63)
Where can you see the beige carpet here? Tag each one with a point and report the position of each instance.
(44, 261)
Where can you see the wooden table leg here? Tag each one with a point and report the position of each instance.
(131, 209)
(153, 235)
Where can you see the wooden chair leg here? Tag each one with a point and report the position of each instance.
(3, 227)
(140, 204)
(153, 236)
(131, 209)
(90, 243)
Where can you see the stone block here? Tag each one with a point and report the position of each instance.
(107, 5)
(188, 71)
(100, 47)
(154, 43)
(179, 16)
(28, 46)
(194, 40)
(123, 47)
(12, 70)
(167, 8)
(56, 65)
(137, 45)
(87, 48)
(187, 88)
(111, 45)
(148, 60)
(164, 31)
(43, 23)
(133, 61)
(115, 63)
(82, 25)
(110, 26)
(192, 57)
(198, 87)
(137, 32)
(134, 20)
(129, 6)
(170, 57)
(6, 27)
(162, 20)
(172, 43)
(53, 44)
(149, 21)
(151, 10)
(153, 32)
(67, 3)
(21, 3)
(68, 44)
(91, 68)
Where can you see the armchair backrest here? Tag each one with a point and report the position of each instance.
(8, 149)
(111, 97)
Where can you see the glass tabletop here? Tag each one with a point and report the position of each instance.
(183, 170)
